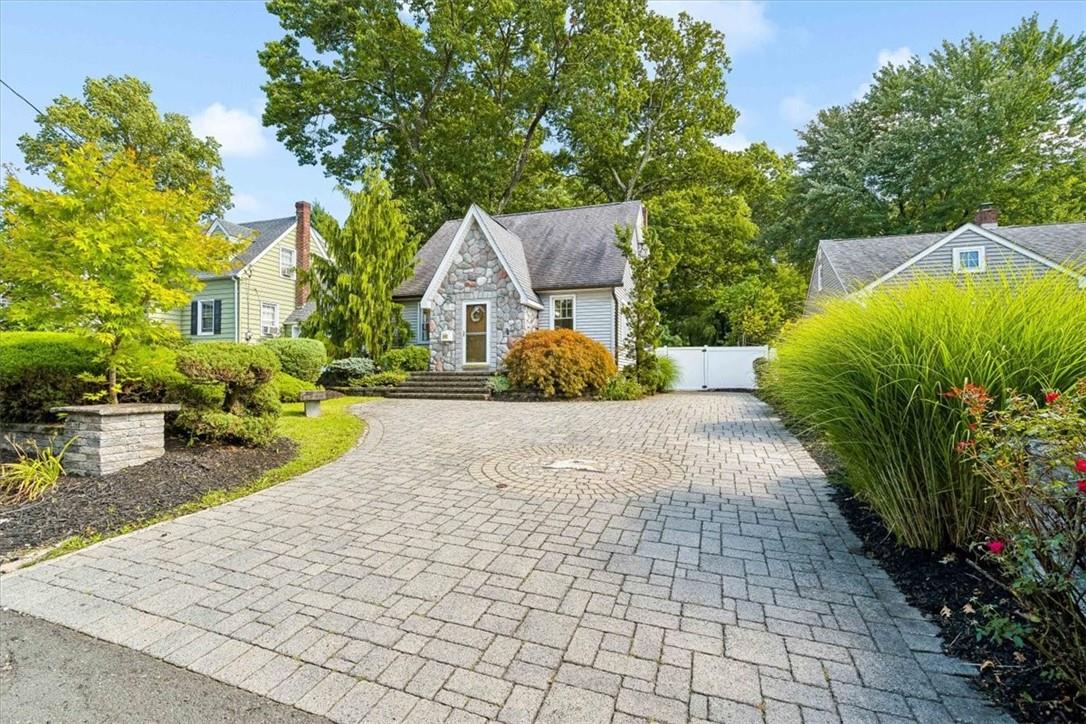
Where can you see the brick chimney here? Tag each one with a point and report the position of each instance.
(987, 216)
(302, 210)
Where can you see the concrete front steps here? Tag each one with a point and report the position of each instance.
(470, 385)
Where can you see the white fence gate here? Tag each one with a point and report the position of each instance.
(715, 368)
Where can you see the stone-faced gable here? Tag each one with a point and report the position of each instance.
(476, 274)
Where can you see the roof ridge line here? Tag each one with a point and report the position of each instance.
(571, 208)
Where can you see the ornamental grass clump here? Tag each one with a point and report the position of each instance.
(1033, 457)
(871, 376)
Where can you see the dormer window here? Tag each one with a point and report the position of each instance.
(969, 259)
(286, 263)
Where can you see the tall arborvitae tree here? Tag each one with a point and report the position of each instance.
(370, 255)
(650, 263)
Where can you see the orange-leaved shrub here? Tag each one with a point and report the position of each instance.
(559, 363)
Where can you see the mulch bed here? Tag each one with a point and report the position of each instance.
(951, 590)
(83, 505)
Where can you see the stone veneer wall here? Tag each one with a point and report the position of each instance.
(107, 438)
(29, 436)
(476, 274)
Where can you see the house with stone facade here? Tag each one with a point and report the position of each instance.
(850, 267)
(261, 295)
(482, 282)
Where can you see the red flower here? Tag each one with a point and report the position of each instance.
(1082, 486)
(995, 547)
(964, 445)
(1051, 397)
(1080, 465)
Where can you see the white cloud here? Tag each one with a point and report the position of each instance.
(886, 56)
(743, 22)
(735, 141)
(246, 204)
(899, 56)
(797, 110)
(238, 131)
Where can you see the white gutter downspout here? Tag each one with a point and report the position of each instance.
(237, 309)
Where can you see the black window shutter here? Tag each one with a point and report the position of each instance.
(194, 315)
(218, 316)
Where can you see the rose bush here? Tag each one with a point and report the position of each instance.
(1033, 456)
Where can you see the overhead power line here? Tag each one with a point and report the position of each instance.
(39, 111)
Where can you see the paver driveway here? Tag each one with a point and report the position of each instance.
(670, 559)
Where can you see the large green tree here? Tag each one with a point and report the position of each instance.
(117, 114)
(1000, 121)
(370, 255)
(508, 104)
(104, 251)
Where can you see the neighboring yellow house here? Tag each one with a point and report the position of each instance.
(259, 298)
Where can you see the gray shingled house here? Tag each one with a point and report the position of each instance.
(846, 267)
(482, 282)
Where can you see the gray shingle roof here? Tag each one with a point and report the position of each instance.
(300, 314)
(512, 250)
(563, 248)
(263, 234)
(861, 261)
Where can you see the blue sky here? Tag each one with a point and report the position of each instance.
(788, 60)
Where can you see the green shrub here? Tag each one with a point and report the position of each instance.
(230, 395)
(622, 387)
(299, 357)
(289, 386)
(498, 384)
(659, 374)
(1033, 456)
(871, 377)
(559, 363)
(379, 379)
(40, 370)
(149, 374)
(406, 359)
(340, 372)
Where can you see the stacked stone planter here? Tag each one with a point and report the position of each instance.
(104, 438)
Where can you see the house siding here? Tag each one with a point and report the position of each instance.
(622, 297)
(261, 282)
(217, 289)
(998, 259)
(593, 315)
(411, 316)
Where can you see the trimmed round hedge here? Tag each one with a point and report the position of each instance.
(299, 357)
(40, 370)
(559, 363)
(231, 396)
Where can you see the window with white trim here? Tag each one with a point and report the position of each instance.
(969, 259)
(424, 325)
(205, 319)
(269, 319)
(562, 313)
(286, 263)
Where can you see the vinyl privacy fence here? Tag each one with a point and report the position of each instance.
(715, 368)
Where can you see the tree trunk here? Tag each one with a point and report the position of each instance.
(232, 399)
(111, 383)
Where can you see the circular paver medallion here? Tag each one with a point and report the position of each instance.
(562, 471)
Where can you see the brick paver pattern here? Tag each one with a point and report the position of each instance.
(426, 577)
